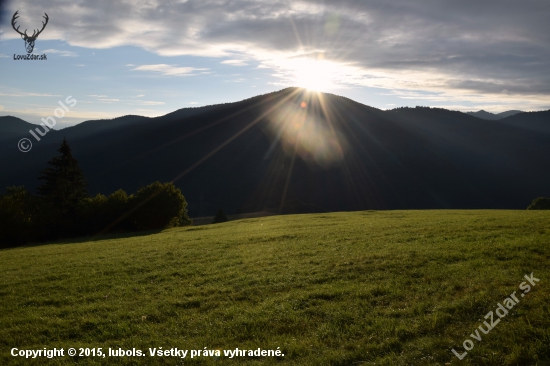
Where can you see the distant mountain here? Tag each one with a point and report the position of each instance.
(12, 127)
(106, 127)
(296, 151)
(533, 121)
(102, 126)
(491, 116)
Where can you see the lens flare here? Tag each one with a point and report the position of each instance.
(304, 131)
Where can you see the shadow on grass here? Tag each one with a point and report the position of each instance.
(83, 239)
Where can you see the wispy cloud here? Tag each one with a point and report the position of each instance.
(473, 102)
(77, 113)
(238, 80)
(146, 102)
(169, 70)
(105, 99)
(62, 53)
(235, 62)
(28, 95)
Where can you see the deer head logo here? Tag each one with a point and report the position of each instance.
(29, 40)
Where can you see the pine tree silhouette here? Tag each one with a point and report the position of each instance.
(64, 184)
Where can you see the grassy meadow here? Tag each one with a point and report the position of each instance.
(359, 288)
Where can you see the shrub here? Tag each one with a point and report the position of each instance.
(220, 217)
(26, 218)
(157, 206)
(101, 213)
(15, 216)
(541, 203)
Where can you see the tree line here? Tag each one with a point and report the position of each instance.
(63, 208)
(541, 203)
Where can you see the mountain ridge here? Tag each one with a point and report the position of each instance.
(188, 111)
(493, 116)
(244, 156)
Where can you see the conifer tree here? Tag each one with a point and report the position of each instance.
(64, 184)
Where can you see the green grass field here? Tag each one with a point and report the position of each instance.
(361, 288)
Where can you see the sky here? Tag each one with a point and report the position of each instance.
(151, 57)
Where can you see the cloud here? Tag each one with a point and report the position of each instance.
(39, 112)
(106, 99)
(169, 70)
(234, 62)
(28, 95)
(62, 53)
(146, 102)
(469, 102)
(238, 80)
(452, 47)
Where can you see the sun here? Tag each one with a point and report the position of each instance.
(315, 75)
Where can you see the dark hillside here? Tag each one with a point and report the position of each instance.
(296, 151)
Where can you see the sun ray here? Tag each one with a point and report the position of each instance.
(186, 136)
(246, 128)
(287, 182)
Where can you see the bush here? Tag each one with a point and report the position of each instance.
(157, 206)
(220, 217)
(101, 213)
(541, 203)
(15, 216)
(26, 218)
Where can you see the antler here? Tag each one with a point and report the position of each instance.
(43, 26)
(34, 34)
(15, 16)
